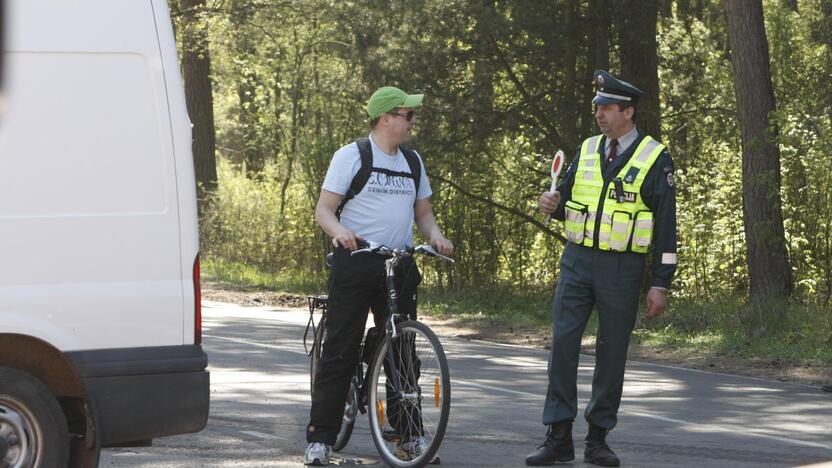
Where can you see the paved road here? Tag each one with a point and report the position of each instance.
(669, 416)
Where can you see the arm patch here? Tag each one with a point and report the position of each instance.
(668, 172)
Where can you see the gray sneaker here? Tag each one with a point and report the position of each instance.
(317, 454)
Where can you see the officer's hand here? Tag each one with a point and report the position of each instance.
(549, 202)
(347, 239)
(656, 302)
(442, 245)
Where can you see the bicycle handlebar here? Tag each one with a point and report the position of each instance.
(380, 249)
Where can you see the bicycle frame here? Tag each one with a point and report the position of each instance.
(390, 333)
(401, 383)
(395, 257)
(315, 303)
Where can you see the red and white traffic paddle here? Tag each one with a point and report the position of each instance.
(557, 165)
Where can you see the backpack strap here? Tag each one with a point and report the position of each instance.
(414, 164)
(362, 176)
(365, 150)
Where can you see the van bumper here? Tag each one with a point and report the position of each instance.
(143, 393)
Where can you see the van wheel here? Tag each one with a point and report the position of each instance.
(33, 429)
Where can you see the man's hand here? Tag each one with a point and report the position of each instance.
(442, 245)
(549, 202)
(656, 302)
(347, 239)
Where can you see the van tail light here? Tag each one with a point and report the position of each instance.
(197, 304)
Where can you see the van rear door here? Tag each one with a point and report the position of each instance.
(88, 189)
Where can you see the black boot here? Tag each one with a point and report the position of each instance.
(827, 388)
(557, 447)
(597, 451)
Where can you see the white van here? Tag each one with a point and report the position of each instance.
(100, 325)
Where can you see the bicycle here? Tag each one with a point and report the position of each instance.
(407, 418)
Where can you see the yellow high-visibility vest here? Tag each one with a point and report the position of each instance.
(626, 226)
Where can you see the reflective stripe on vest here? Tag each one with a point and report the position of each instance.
(622, 226)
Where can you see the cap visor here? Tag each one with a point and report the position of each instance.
(413, 100)
(599, 100)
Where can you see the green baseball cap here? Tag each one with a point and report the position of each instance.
(388, 98)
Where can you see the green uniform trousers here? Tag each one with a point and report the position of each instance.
(611, 282)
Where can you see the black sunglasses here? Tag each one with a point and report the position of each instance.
(409, 115)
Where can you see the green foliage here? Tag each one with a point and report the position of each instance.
(247, 223)
(291, 80)
(801, 58)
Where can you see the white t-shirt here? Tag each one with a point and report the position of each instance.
(383, 211)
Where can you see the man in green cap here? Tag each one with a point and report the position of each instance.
(374, 190)
(618, 203)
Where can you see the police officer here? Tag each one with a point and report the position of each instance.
(618, 202)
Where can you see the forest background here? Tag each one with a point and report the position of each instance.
(740, 92)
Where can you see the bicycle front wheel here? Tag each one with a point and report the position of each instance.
(409, 397)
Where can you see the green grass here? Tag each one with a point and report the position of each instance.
(724, 326)
(732, 343)
(792, 330)
(493, 303)
(247, 277)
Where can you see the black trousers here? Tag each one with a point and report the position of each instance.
(357, 284)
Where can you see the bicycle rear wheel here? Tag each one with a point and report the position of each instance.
(408, 426)
(317, 348)
(351, 404)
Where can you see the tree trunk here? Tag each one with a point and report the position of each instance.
(196, 71)
(667, 8)
(598, 20)
(247, 87)
(569, 104)
(482, 234)
(639, 59)
(767, 257)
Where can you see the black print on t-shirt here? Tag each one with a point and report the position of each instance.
(390, 184)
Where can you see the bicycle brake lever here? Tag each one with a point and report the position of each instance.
(428, 249)
(448, 259)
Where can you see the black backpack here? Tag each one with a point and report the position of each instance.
(363, 174)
